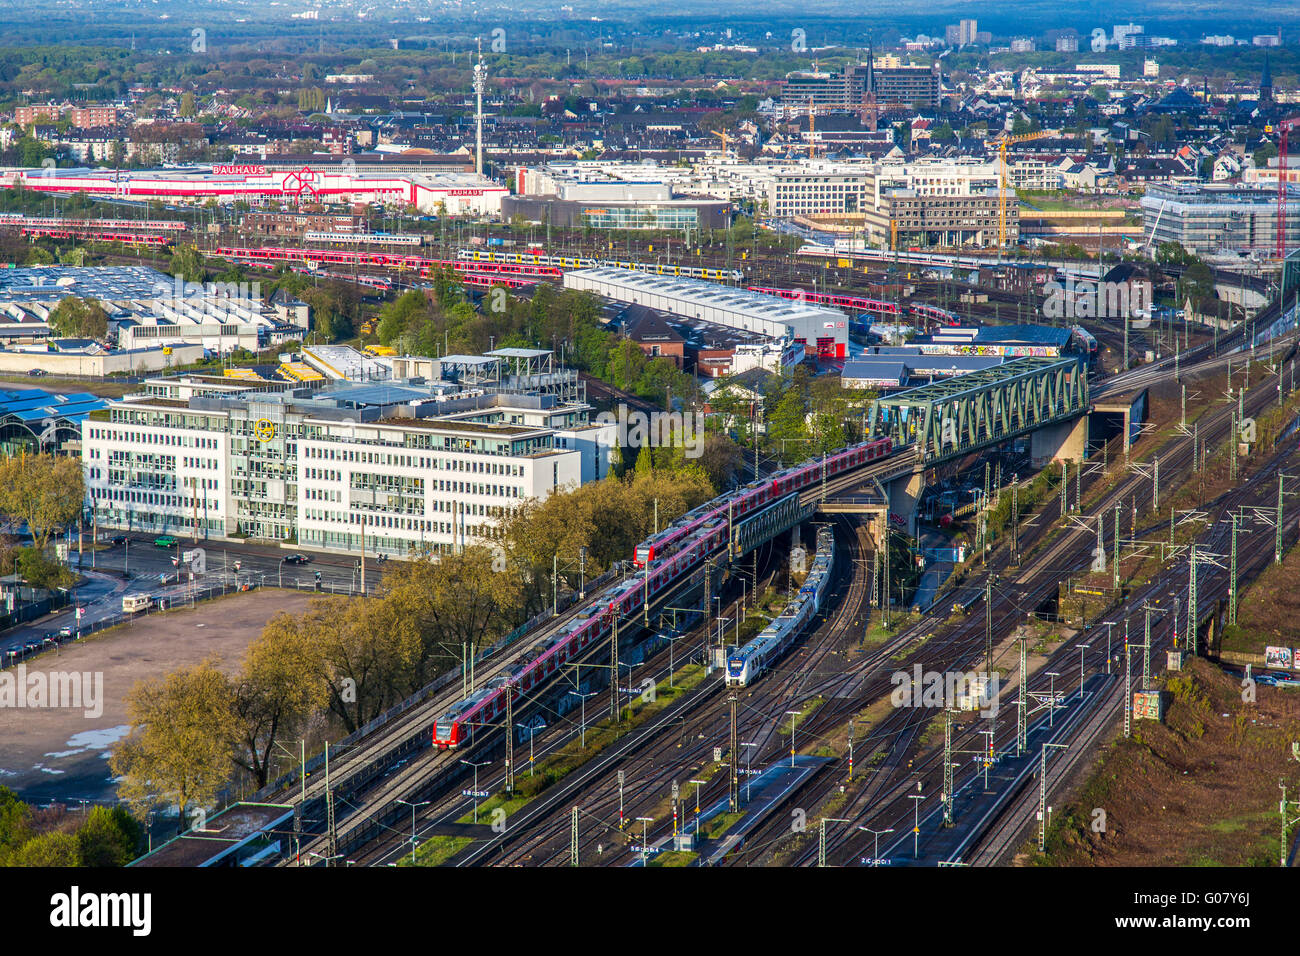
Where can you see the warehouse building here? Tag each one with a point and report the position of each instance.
(147, 310)
(441, 192)
(822, 331)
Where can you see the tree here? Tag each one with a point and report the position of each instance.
(1198, 283)
(463, 599)
(180, 745)
(365, 651)
(720, 459)
(278, 689)
(75, 317)
(397, 318)
(1173, 253)
(15, 823)
(49, 849)
(186, 108)
(187, 262)
(44, 491)
(109, 837)
(40, 570)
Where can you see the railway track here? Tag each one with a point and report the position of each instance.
(1066, 663)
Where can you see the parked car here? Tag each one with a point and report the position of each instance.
(36, 372)
(165, 541)
(65, 631)
(119, 539)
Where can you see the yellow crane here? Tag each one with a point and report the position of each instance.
(1001, 143)
(722, 136)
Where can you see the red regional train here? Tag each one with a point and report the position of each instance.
(664, 559)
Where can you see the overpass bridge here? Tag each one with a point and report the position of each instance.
(952, 418)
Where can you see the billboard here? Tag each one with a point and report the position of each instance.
(1277, 657)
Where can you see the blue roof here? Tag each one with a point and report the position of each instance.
(1002, 335)
(34, 405)
(1027, 334)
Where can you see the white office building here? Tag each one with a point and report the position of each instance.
(389, 464)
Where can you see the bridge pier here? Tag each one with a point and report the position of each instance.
(1067, 440)
(904, 496)
(1132, 410)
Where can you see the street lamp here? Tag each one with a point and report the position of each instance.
(875, 853)
(698, 784)
(531, 732)
(584, 697)
(644, 849)
(749, 774)
(792, 714)
(916, 799)
(476, 790)
(1109, 625)
(1082, 648)
(423, 803)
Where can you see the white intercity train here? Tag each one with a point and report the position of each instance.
(747, 663)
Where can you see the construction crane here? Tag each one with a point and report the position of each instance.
(722, 136)
(812, 127)
(1001, 144)
(1284, 127)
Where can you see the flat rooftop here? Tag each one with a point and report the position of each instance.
(703, 293)
(224, 834)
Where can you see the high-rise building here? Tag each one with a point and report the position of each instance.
(1068, 44)
(889, 83)
(961, 33)
(1124, 30)
(1022, 45)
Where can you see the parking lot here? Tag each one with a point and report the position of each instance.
(60, 754)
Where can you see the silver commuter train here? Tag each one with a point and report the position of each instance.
(748, 662)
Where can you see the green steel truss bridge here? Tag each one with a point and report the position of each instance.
(953, 417)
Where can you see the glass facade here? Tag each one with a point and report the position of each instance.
(642, 217)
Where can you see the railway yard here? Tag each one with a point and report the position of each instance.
(813, 763)
(630, 748)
